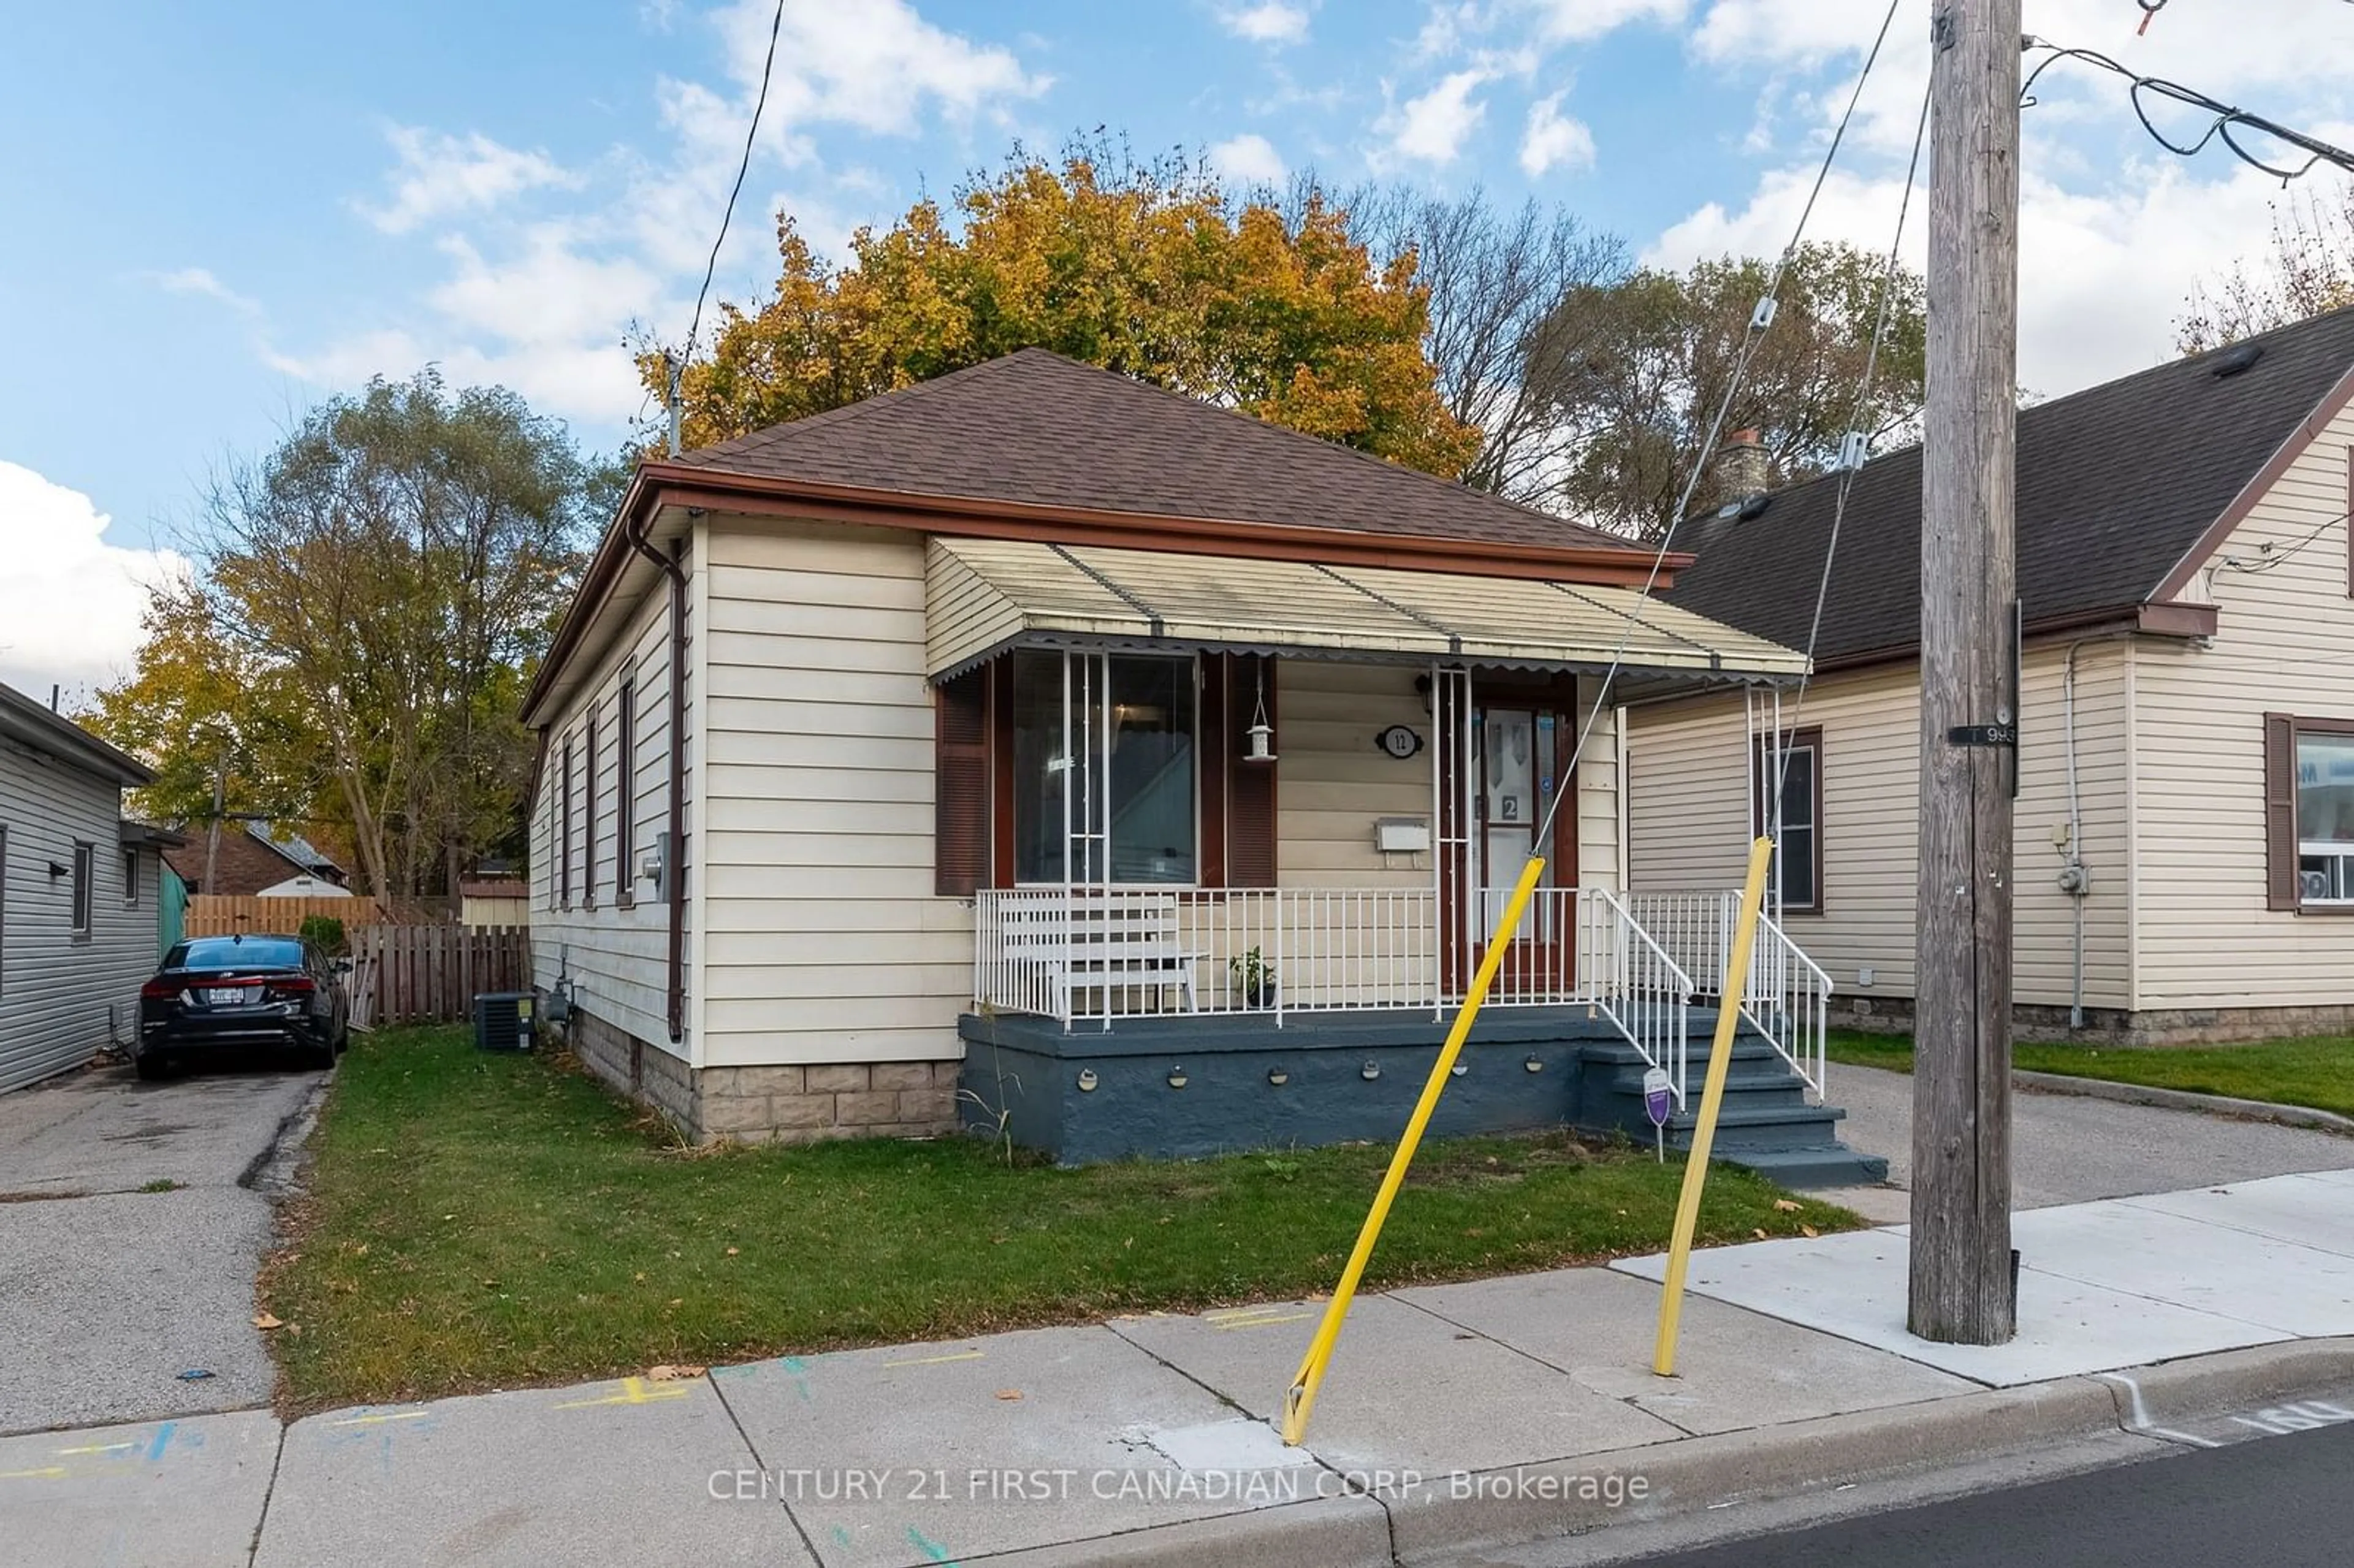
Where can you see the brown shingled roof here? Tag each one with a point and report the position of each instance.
(1033, 428)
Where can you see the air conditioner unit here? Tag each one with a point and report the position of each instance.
(502, 1020)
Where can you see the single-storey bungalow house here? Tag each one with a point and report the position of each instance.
(79, 894)
(2185, 815)
(257, 860)
(1043, 748)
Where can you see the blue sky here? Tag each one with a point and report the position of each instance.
(220, 212)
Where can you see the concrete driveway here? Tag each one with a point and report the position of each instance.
(108, 1293)
(2070, 1149)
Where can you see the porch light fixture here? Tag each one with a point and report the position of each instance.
(1261, 732)
(1370, 1071)
(1087, 1080)
(1177, 1079)
(1278, 1077)
(1535, 1064)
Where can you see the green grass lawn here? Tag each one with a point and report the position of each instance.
(477, 1221)
(2319, 1072)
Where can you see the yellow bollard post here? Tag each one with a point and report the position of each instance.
(1711, 1100)
(1301, 1397)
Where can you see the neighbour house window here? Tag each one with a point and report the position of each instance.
(1105, 786)
(3, 907)
(1795, 767)
(2309, 812)
(131, 876)
(85, 865)
(588, 837)
(563, 831)
(625, 788)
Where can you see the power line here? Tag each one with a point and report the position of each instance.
(1760, 320)
(751, 135)
(2228, 122)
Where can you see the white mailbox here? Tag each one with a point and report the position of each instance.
(1402, 835)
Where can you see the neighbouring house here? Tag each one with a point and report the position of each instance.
(2184, 846)
(79, 894)
(1041, 746)
(257, 860)
(487, 901)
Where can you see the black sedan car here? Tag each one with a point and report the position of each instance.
(229, 994)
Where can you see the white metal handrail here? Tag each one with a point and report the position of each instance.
(1647, 995)
(1792, 1007)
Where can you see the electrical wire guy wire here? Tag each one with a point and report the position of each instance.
(1760, 323)
(2226, 123)
(743, 166)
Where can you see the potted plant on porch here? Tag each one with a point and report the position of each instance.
(1254, 977)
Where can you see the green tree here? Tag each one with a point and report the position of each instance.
(1632, 371)
(372, 594)
(1148, 268)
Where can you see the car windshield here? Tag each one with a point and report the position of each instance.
(236, 953)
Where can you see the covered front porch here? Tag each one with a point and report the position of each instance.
(1274, 806)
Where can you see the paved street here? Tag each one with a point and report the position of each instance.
(111, 1292)
(2283, 1502)
(2068, 1150)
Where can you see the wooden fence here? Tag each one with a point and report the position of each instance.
(219, 915)
(432, 974)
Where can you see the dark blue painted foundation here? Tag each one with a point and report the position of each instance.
(1091, 1094)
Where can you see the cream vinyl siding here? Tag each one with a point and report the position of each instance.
(1690, 820)
(62, 995)
(616, 957)
(1331, 781)
(824, 940)
(2284, 643)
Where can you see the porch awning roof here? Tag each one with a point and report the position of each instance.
(984, 594)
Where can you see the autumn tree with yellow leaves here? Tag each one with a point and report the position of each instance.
(1148, 268)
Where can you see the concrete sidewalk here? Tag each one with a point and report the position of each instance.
(1457, 1419)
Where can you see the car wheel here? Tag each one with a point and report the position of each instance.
(151, 1066)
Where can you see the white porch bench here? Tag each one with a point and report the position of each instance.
(1125, 942)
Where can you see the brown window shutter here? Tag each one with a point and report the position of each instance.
(960, 824)
(2280, 812)
(1250, 785)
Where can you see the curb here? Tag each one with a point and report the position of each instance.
(1551, 1499)
(2184, 1100)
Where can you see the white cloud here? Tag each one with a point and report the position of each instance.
(1553, 139)
(1578, 20)
(200, 280)
(69, 601)
(1432, 129)
(440, 174)
(1269, 22)
(1249, 159)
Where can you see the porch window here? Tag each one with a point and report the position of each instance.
(1105, 768)
(1796, 884)
(2309, 790)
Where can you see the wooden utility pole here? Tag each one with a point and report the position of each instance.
(1963, 1289)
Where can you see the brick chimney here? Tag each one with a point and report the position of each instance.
(1741, 466)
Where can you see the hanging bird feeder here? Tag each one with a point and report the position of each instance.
(1261, 734)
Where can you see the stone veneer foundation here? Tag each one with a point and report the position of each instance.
(772, 1105)
(2116, 1026)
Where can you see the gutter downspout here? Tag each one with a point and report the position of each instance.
(674, 866)
(2074, 880)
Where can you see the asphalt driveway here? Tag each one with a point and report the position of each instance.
(108, 1293)
(2066, 1149)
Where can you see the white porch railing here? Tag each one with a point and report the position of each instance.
(1787, 997)
(1093, 955)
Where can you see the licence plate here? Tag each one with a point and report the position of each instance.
(227, 996)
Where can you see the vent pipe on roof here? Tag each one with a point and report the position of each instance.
(1741, 466)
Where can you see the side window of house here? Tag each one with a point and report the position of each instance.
(4, 909)
(2309, 812)
(85, 857)
(563, 831)
(588, 832)
(625, 788)
(1798, 835)
(131, 876)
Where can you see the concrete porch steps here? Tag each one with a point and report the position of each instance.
(1765, 1124)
